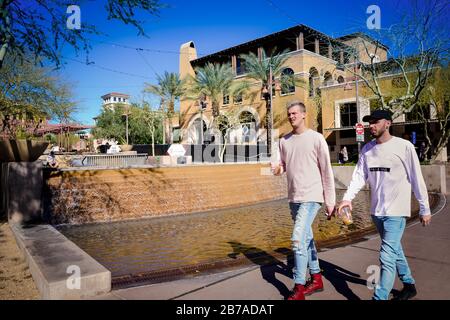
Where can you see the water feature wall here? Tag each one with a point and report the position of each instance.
(82, 196)
(95, 195)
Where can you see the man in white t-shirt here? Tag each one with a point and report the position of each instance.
(391, 167)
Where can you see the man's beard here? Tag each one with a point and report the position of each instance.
(379, 133)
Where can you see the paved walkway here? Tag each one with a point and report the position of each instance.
(345, 271)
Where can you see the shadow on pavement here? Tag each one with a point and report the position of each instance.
(340, 277)
(269, 265)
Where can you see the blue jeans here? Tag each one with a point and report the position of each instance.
(305, 252)
(392, 258)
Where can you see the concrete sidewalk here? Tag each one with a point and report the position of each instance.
(345, 271)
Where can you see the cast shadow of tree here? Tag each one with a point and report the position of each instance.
(269, 265)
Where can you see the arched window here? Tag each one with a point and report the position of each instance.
(287, 80)
(199, 133)
(340, 79)
(248, 126)
(327, 79)
(313, 76)
(226, 99)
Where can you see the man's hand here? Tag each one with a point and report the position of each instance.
(330, 211)
(276, 169)
(426, 220)
(345, 203)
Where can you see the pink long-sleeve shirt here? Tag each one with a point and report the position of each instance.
(306, 160)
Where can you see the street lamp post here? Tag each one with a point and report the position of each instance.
(358, 113)
(348, 87)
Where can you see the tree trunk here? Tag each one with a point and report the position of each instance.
(153, 142)
(164, 129)
(222, 152)
(170, 115)
(215, 109)
(170, 136)
(5, 15)
(3, 50)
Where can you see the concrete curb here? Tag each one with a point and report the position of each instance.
(60, 269)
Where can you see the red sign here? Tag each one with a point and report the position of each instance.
(359, 128)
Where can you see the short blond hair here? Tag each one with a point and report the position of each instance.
(294, 103)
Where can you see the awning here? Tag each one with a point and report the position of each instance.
(65, 127)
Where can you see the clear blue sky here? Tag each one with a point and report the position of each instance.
(212, 25)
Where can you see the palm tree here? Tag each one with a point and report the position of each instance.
(213, 81)
(265, 69)
(169, 89)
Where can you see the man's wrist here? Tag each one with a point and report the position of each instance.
(347, 199)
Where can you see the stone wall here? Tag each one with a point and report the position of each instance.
(21, 187)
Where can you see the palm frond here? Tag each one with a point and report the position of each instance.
(169, 89)
(259, 69)
(212, 81)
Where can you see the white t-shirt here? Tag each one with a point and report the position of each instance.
(391, 169)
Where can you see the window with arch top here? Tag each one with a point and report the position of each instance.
(287, 77)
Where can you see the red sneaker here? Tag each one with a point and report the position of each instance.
(314, 285)
(297, 292)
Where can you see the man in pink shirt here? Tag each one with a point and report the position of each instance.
(305, 158)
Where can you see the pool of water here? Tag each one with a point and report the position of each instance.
(145, 245)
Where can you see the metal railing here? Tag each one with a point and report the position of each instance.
(260, 157)
(115, 160)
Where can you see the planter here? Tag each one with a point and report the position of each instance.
(169, 161)
(21, 150)
(126, 147)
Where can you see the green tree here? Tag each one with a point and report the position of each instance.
(139, 129)
(111, 125)
(64, 113)
(416, 44)
(30, 94)
(212, 82)
(434, 105)
(170, 88)
(40, 27)
(152, 120)
(265, 70)
(227, 122)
